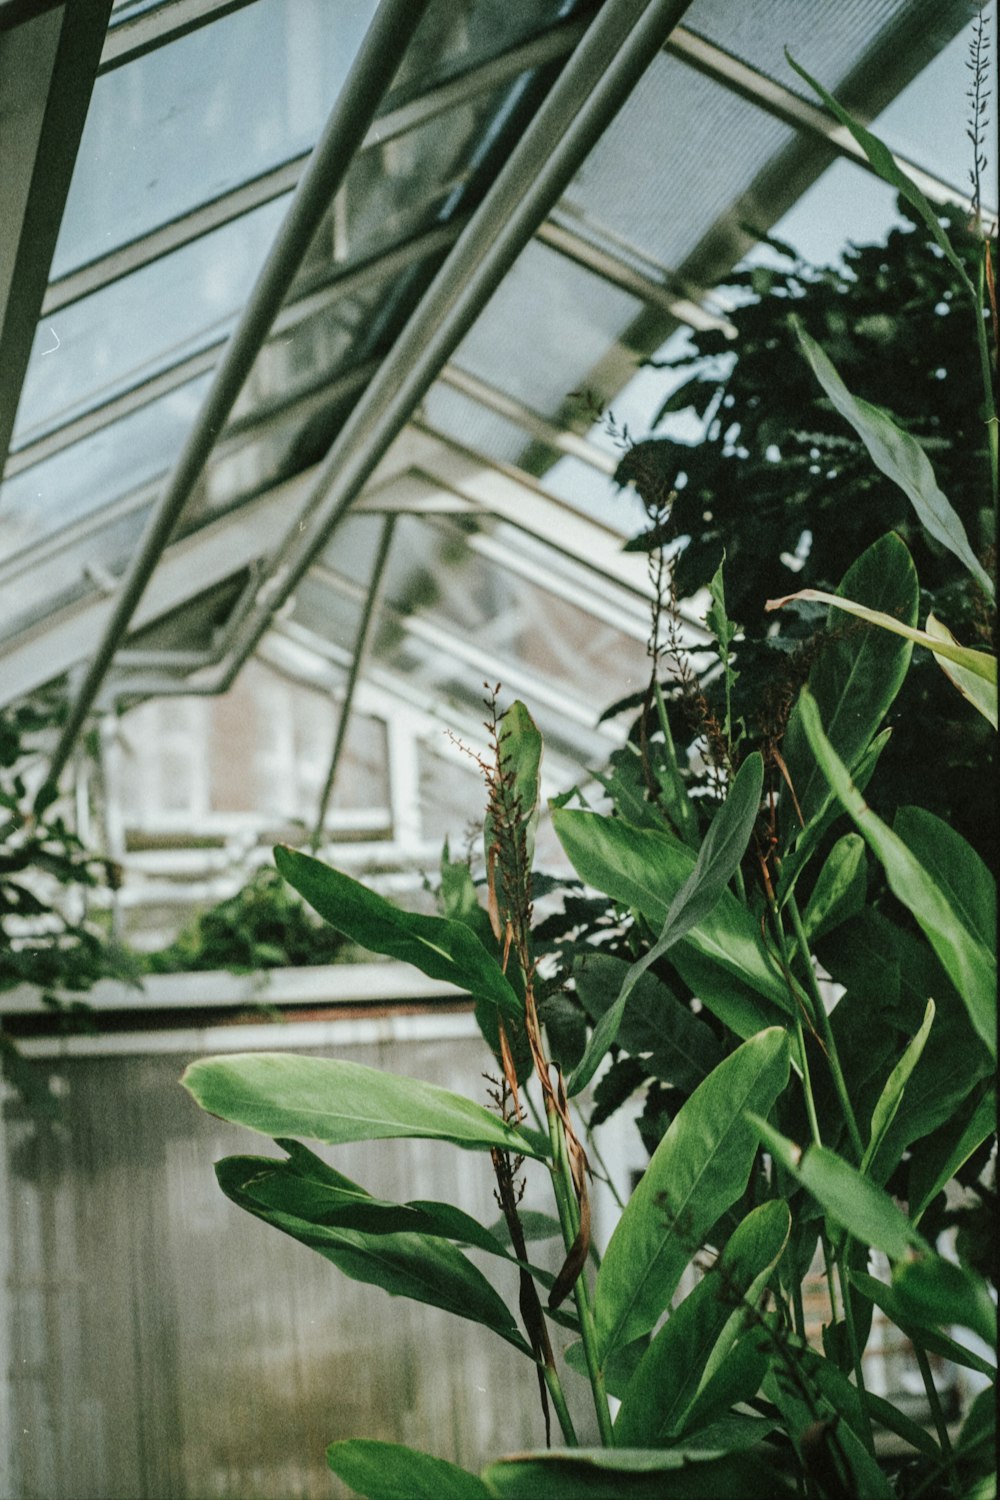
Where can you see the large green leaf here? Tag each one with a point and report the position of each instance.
(390, 1471)
(718, 859)
(438, 947)
(866, 1212)
(698, 1171)
(934, 1292)
(699, 1333)
(680, 1047)
(901, 458)
(806, 842)
(888, 1299)
(887, 167)
(958, 870)
(644, 869)
(689, 1473)
(937, 1160)
(969, 961)
(404, 1265)
(857, 672)
(839, 892)
(329, 1099)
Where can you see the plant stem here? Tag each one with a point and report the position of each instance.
(852, 1338)
(558, 1397)
(823, 1022)
(989, 403)
(565, 1200)
(934, 1402)
(609, 1180)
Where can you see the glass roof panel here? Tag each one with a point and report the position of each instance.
(673, 163)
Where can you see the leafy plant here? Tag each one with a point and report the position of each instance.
(790, 1121)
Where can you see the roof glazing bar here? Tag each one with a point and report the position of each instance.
(371, 74)
(583, 101)
(536, 53)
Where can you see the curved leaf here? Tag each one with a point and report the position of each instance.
(839, 892)
(718, 859)
(888, 1299)
(699, 1169)
(892, 1094)
(438, 947)
(935, 1164)
(698, 1334)
(689, 1473)
(391, 1471)
(901, 458)
(329, 1099)
(970, 963)
(644, 869)
(404, 1265)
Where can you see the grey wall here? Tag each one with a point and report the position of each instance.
(161, 1343)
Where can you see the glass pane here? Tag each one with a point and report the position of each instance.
(175, 128)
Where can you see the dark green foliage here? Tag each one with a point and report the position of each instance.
(778, 473)
(264, 926)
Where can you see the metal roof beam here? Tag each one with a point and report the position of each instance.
(47, 67)
(371, 74)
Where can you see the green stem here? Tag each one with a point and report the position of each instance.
(823, 1022)
(852, 1338)
(989, 404)
(566, 1200)
(609, 1180)
(558, 1398)
(934, 1402)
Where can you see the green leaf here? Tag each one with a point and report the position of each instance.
(723, 848)
(832, 1439)
(894, 1307)
(329, 1099)
(933, 1291)
(933, 1169)
(440, 948)
(404, 1265)
(974, 673)
(808, 839)
(857, 672)
(737, 1005)
(390, 1471)
(681, 1048)
(699, 1170)
(839, 892)
(890, 171)
(958, 870)
(901, 458)
(971, 683)
(892, 1095)
(850, 1200)
(699, 1334)
(969, 962)
(644, 869)
(688, 1473)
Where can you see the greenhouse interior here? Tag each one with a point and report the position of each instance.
(497, 727)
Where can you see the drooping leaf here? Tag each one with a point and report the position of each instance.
(699, 1169)
(644, 869)
(887, 167)
(699, 1334)
(839, 892)
(865, 1211)
(404, 1265)
(901, 458)
(687, 1473)
(683, 1050)
(390, 1471)
(892, 1095)
(933, 1292)
(887, 1298)
(933, 1168)
(440, 948)
(332, 1100)
(856, 674)
(974, 673)
(969, 962)
(718, 859)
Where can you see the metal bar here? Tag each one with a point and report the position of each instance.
(372, 72)
(358, 656)
(587, 95)
(136, 35)
(536, 53)
(536, 426)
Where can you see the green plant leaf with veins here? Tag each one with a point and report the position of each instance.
(697, 1172)
(391, 1471)
(335, 1101)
